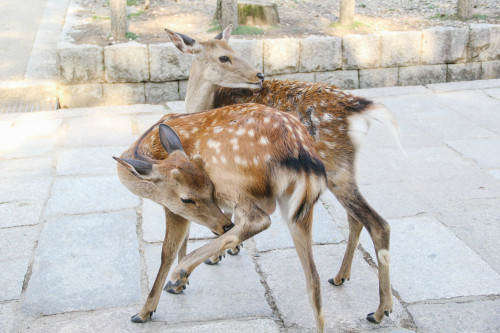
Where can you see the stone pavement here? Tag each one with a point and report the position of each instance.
(29, 32)
(78, 252)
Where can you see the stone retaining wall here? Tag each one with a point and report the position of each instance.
(133, 73)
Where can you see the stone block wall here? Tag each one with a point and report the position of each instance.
(132, 73)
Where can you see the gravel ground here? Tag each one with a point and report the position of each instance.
(298, 18)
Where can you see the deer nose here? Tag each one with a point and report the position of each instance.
(260, 76)
(228, 227)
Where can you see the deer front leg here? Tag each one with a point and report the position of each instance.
(233, 251)
(344, 273)
(174, 234)
(252, 220)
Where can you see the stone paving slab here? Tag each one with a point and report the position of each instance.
(77, 195)
(486, 152)
(393, 200)
(24, 189)
(153, 224)
(429, 262)
(277, 236)
(495, 93)
(476, 223)
(144, 122)
(28, 167)
(230, 289)
(446, 125)
(464, 85)
(20, 213)
(9, 316)
(345, 308)
(476, 106)
(88, 161)
(84, 263)
(18, 242)
(12, 274)
(20, 146)
(98, 131)
(118, 320)
(471, 316)
(432, 173)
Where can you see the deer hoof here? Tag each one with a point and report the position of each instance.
(137, 319)
(234, 251)
(386, 313)
(332, 282)
(210, 262)
(371, 318)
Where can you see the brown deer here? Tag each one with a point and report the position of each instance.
(337, 121)
(242, 158)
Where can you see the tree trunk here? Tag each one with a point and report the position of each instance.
(464, 9)
(118, 18)
(347, 12)
(229, 13)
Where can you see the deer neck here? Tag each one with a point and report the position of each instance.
(200, 93)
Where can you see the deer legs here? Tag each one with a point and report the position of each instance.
(344, 273)
(175, 233)
(232, 251)
(361, 214)
(252, 220)
(302, 239)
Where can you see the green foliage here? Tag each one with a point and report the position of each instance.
(131, 2)
(214, 26)
(247, 30)
(134, 15)
(454, 17)
(131, 35)
(355, 25)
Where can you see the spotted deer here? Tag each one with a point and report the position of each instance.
(337, 122)
(243, 158)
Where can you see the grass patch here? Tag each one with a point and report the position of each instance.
(241, 30)
(101, 17)
(355, 25)
(132, 2)
(131, 35)
(247, 30)
(454, 17)
(214, 26)
(134, 15)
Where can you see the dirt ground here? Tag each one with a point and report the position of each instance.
(298, 18)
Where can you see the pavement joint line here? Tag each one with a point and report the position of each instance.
(145, 288)
(268, 295)
(458, 300)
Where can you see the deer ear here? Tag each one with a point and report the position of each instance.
(184, 43)
(140, 169)
(225, 34)
(198, 161)
(169, 139)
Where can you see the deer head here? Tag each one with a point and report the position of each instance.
(215, 64)
(176, 183)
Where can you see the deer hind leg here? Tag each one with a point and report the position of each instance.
(302, 239)
(233, 251)
(175, 233)
(344, 273)
(252, 220)
(349, 196)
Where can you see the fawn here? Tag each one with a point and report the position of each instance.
(337, 122)
(242, 158)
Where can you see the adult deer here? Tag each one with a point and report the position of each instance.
(337, 121)
(254, 156)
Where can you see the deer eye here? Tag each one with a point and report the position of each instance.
(224, 59)
(187, 201)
